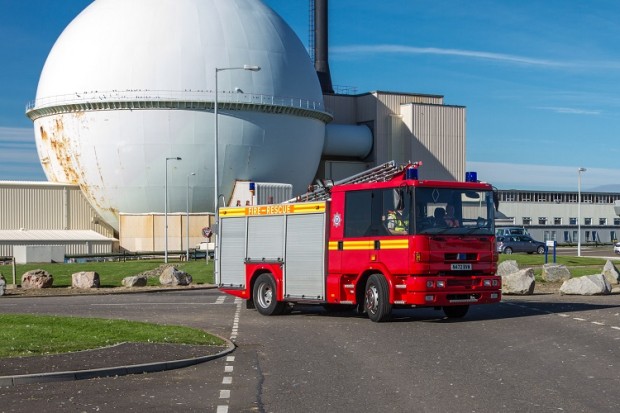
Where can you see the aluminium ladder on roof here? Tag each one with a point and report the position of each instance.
(381, 173)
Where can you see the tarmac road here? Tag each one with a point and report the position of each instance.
(527, 354)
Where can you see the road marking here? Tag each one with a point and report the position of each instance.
(598, 323)
(229, 368)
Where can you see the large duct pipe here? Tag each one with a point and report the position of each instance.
(351, 141)
(321, 54)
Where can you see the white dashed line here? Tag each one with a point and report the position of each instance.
(228, 368)
(598, 323)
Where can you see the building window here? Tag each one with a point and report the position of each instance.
(602, 221)
(527, 220)
(587, 221)
(587, 236)
(612, 236)
(616, 221)
(557, 221)
(542, 221)
(567, 237)
(575, 236)
(572, 221)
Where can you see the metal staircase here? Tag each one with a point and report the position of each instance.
(321, 192)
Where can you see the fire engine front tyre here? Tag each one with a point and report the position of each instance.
(265, 296)
(377, 298)
(456, 311)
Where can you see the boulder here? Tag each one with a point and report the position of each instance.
(595, 284)
(172, 276)
(611, 273)
(555, 272)
(134, 281)
(507, 267)
(37, 279)
(85, 280)
(521, 282)
(2, 285)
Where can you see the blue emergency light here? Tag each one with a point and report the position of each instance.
(411, 173)
(252, 186)
(471, 176)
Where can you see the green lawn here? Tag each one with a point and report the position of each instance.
(31, 335)
(578, 266)
(111, 273)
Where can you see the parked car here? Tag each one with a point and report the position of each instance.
(617, 247)
(503, 231)
(519, 243)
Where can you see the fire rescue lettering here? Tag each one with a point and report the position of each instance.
(275, 209)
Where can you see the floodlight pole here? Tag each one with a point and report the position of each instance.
(187, 220)
(176, 158)
(579, 171)
(216, 160)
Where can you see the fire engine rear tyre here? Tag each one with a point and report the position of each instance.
(457, 311)
(265, 295)
(377, 298)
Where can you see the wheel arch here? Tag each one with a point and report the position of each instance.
(256, 271)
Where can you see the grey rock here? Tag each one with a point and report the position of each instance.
(37, 279)
(85, 280)
(595, 284)
(519, 283)
(611, 273)
(555, 272)
(2, 285)
(134, 281)
(172, 276)
(507, 267)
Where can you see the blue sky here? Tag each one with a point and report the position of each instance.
(540, 79)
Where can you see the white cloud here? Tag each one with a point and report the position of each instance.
(570, 111)
(399, 49)
(543, 177)
(18, 155)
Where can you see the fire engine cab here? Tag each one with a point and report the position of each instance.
(375, 241)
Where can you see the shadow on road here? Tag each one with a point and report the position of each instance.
(503, 310)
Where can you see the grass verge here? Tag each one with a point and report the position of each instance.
(578, 266)
(31, 335)
(111, 273)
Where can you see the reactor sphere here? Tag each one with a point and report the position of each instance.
(131, 83)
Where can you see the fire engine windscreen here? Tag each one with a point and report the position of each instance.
(416, 210)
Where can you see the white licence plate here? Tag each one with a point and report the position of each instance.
(461, 267)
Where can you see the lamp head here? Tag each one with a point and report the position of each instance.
(252, 68)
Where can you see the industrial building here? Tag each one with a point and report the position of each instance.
(557, 216)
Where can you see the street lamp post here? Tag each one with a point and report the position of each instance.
(579, 171)
(176, 158)
(187, 220)
(215, 150)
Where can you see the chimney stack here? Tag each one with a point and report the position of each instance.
(321, 55)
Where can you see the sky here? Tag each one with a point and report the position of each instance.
(540, 79)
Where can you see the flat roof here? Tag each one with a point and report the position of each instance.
(52, 235)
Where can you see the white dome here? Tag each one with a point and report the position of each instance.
(129, 83)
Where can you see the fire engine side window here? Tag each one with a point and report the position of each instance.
(357, 213)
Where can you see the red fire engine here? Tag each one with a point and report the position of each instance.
(378, 240)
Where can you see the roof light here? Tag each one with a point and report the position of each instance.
(471, 176)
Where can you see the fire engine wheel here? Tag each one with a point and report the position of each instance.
(456, 311)
(265, 296)
(377, 298)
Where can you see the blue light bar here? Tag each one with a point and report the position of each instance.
(411, 173)
(471, 176)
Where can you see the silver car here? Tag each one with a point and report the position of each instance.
(519, 243)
